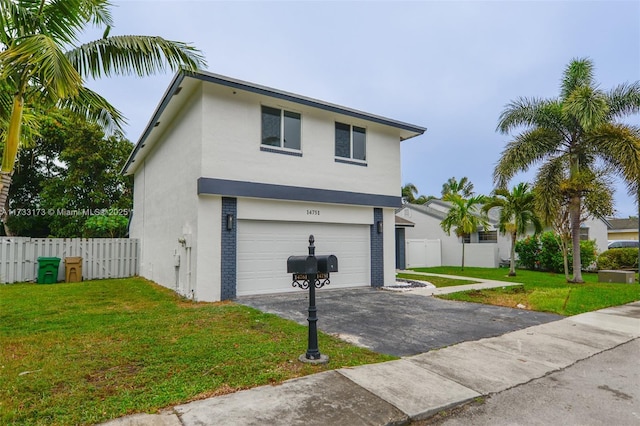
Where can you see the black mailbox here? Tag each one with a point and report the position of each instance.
(327, 263)
(302, 265)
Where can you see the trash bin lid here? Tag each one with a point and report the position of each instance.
(48, 259)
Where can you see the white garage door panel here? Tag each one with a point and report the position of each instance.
(263, 249)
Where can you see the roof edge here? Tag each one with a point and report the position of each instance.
(264, 90)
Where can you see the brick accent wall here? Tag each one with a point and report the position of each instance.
(377, 250)
(229, 241)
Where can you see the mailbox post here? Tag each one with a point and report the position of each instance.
(312, 272)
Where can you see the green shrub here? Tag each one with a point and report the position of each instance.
(528, 250)
(544, 253)
(619, 258)
(588, 253)
(550, 254)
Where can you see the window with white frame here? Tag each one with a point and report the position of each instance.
(487, 236)
(584, 233)
(280, 128)
(351, 142)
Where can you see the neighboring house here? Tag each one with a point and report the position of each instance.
(595, 229)
(484, 248)
(231, 178)
(622, 229)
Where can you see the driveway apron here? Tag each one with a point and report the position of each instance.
(397, 323)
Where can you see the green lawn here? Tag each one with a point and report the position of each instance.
(87, 352)
(542, 291)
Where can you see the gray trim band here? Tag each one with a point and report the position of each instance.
(233, 188)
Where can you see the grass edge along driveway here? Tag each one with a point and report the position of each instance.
(84, 353)
(541, 291)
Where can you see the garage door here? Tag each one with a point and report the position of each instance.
(264, 246)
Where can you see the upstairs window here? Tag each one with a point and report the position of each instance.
(351, 142)
(280, 128)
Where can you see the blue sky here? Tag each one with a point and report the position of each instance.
(450, 66)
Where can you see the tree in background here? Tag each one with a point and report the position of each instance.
(576, 140)
(69, 175)
(517, 212)
(463, 188)
(41, 64)
(465, 217)
(409, 192)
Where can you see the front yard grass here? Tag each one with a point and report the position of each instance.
(542, 291)
(83, 353)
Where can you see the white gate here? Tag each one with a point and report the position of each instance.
(101, 257)
(423, 253)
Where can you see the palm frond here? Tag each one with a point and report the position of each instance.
(65, 20)
(587, 106)
(598, 200)
(526, 150)
(624, 100)
(38, 55)
(547, 188)
(578, 73)
(618, 145)
(140, 55)
(94, 107)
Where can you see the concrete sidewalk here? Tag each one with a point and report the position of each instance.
(416, 387)
(479, 285)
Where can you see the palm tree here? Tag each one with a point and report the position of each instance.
(465, 216)
(575, 134)
(517, 212)
(409, 192)
(42, 65)
(464, 188)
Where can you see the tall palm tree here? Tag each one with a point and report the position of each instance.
(41, 64)
(517, 213)
(576, 134)
(463, 188)
(465, 216)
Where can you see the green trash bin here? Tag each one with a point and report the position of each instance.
(48, 270)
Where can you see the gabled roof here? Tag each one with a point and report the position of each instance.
(404, 223)
(620, 224)
(438, 209)
(169, 105)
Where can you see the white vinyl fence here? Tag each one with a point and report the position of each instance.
(101, 257)
(423, 253)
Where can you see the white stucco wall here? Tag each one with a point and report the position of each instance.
(389, 226)
(231, 139)
(166, 203)
(597, 231)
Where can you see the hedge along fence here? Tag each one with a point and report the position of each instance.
(101, 257)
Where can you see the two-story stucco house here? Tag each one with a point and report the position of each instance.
(231, 178)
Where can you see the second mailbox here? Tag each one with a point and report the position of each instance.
(302, 265)
(327, 263)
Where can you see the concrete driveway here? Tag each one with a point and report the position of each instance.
(397, 323)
